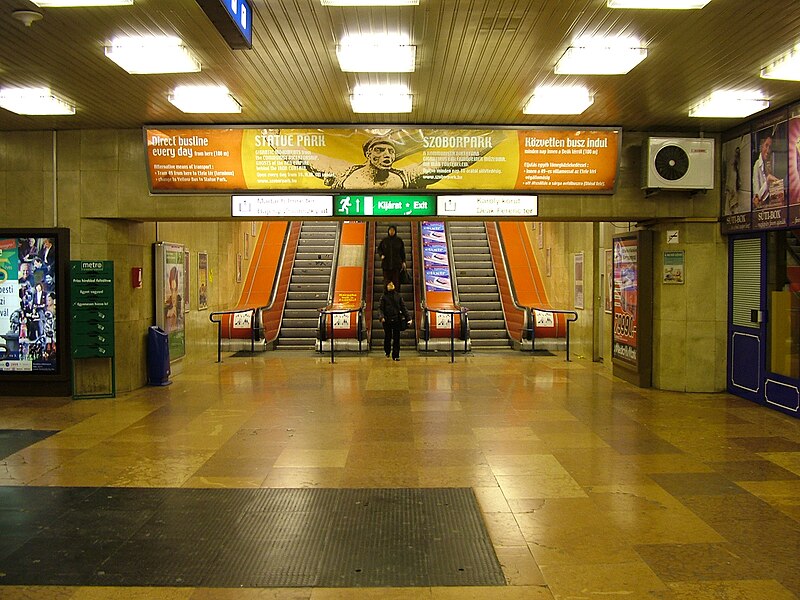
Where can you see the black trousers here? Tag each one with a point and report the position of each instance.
(391, 338)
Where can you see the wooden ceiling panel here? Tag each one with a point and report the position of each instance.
(478, 61)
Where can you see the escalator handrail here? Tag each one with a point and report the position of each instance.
(334, 263)
(517, 305)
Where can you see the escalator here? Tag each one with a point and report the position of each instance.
(309, 285)
(407, 337)
(477, 285)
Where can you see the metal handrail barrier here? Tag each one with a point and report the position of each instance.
(333, 310)
(252, 312)
(532, 322)
(455, 310)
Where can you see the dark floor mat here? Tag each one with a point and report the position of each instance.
(246, 538)
(14, 440)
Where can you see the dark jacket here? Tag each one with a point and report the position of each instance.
(393, 309)
(393, 251)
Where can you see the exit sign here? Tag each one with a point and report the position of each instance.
(233, 19)
(384, 206)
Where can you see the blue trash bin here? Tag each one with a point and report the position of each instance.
(157, 357)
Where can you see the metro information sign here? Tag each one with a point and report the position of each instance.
(487, 206)
(282, 206)
(384, 206)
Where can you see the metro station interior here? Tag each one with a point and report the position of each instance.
(596, 387)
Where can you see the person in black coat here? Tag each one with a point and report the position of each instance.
(394, 317)
(393, 257)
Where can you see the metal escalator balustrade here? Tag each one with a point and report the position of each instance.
(308, 287)
(477, 285)
(407, 337)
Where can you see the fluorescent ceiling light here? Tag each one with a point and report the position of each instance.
(786, 66)
(381, 99)
(376, 53)
(77, 3)
(558, 100)
(601, 56)
(730, 104)
(369, 2)
(152, 54)
(204, 99)
(34, 101)
(660, 4)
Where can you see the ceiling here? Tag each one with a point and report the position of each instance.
(478, 61)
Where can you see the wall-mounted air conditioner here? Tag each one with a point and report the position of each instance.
(678, 163)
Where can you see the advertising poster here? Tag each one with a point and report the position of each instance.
(794, 167)
(770, 176)
(253, 159)
(435, 257)
(736, 184)
(239, 267)
(170, 277)
(186, 289)
(626, 297)
(578, 272)
(202, 280)
(28, 271)
(674, 266)
(609, 277)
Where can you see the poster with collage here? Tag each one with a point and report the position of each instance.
(28, 272)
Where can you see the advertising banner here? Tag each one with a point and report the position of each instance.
(626, 298)
(241, 159)
(170, 276)
(435, 258)
(794, 167)
(736, 185)
(202, 280)
(770, 177)
(28, 304)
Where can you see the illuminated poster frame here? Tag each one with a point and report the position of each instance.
(50, 268)
(170, 276)
(632, 307)
(193, 159)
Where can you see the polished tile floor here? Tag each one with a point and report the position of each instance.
(589, 487)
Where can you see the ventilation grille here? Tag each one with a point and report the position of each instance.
(746, 281)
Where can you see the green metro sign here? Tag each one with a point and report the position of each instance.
(384, 206)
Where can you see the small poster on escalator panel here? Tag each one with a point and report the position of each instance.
(626, 296)
(232, 159)
(794, 167)
(770, 160)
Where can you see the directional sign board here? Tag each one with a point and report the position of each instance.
(487, 206)
(281, 206)
(92, 314)
(384, 206)
(233, 19)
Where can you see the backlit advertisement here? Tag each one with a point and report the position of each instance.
(770, 154)
(184, 159)
(435, 257)
(28, 332)
(737, 194)
(794, 168)
(626, 298)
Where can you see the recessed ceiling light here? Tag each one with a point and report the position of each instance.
(34, 101)
(376, 53)
(152, 54)
(369, 2)
(601, 56)
(558, 100)
(729, 104)
(368, 98)
(204, 99)
(660, 4)
(79, 3)
(786, 66)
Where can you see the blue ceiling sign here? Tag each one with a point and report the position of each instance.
(233, 19)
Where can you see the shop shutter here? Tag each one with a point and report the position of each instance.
(746, 281)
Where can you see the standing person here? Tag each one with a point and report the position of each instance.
(394, 317)
(762, 174)
(393, 257)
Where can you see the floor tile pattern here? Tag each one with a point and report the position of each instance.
(588, 486)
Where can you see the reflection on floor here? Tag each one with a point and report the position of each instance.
(588, 486)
